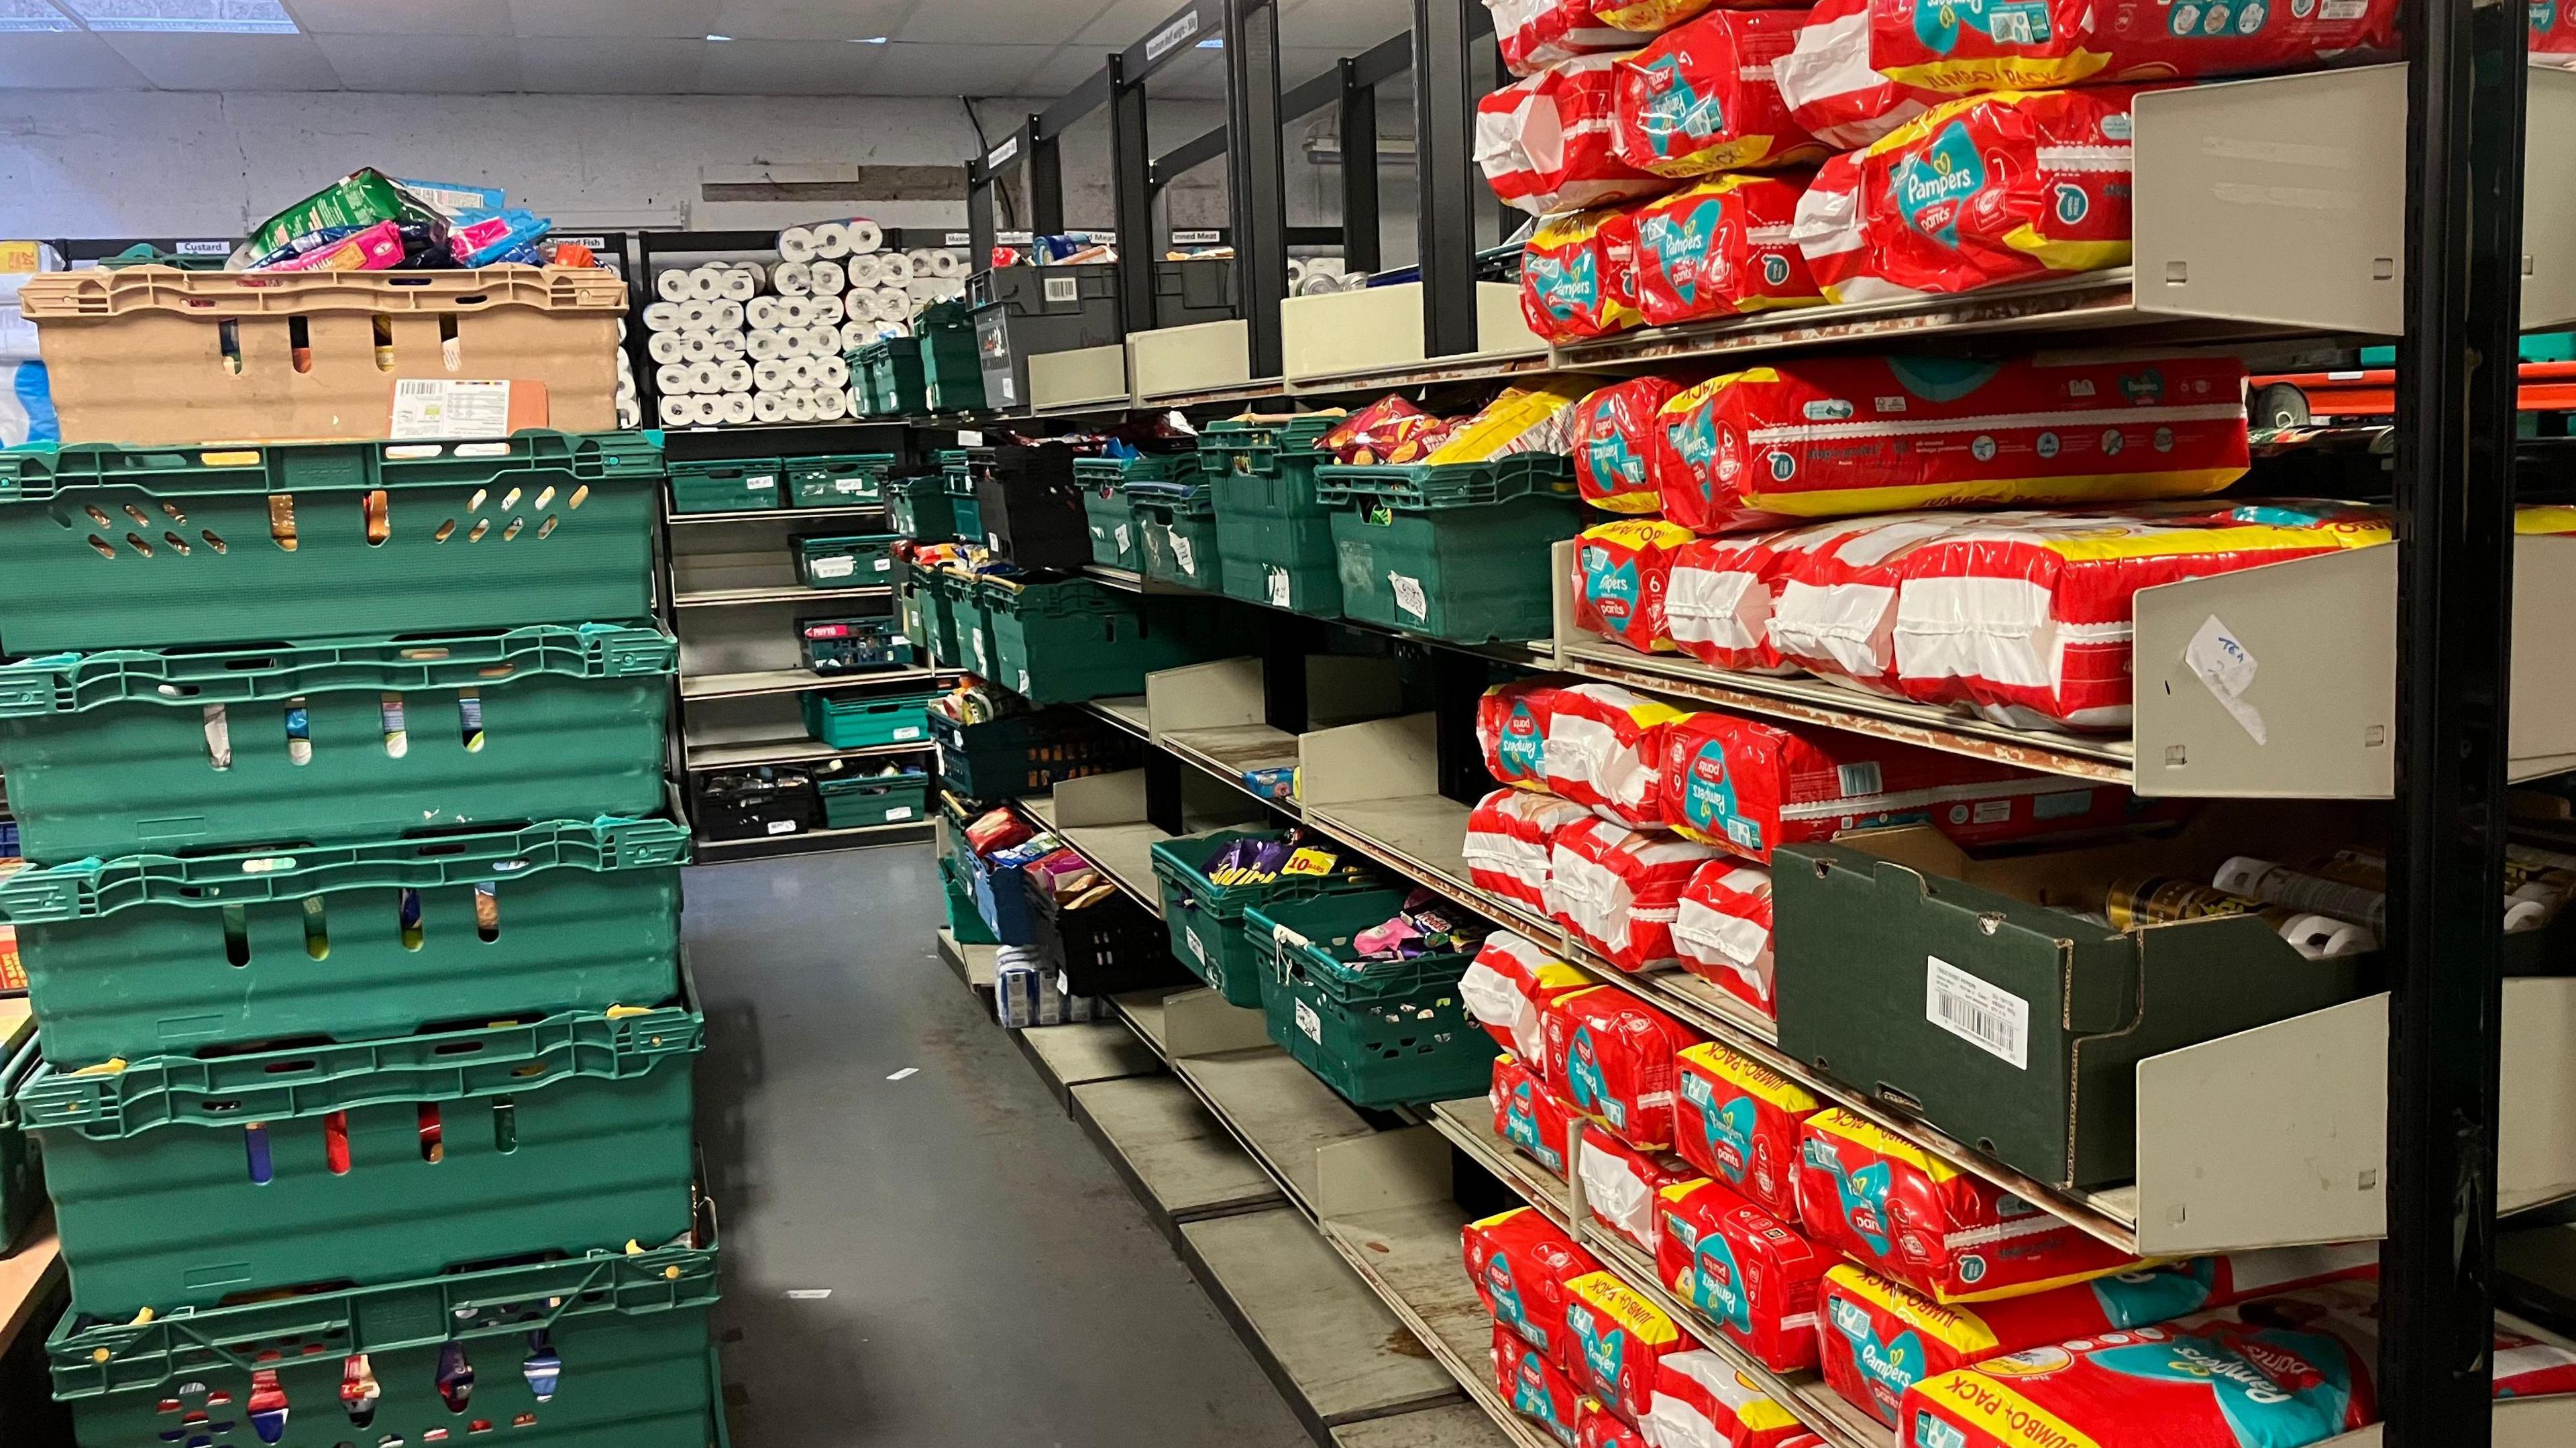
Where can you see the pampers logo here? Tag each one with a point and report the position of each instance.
(1522, 1128)
(1888, 1367)
(1934, 181)
(1604, 1348)
(2272, 1387)
(1681, 245)
(1531, 1399)
(1522, 747)
(2143, 389)
(1611, 585)
(1708, 800)
(1717, 1287)
(1584, 1083)
(1568, 287)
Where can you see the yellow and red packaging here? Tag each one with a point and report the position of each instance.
(1617, 890)
(1546, 141)
(1620, 568)
(1721, 248)
(1621, 1183)
(1830, 90)
(1579, 275)
(1610, 1057)
(1718, 596)
(1508, 985)
(1954, 49)
(1622, 1336)
(1722, 931)
(1509, 834)
(1700, 99)
(1605, 750)
(1741, 1122)
(1523, 1266)
(1703, 1402)
(1595, 1426)
(1880, 1339)
(1744, 1269)
(1537, 417)
(1511, 729)
(1529, 1116)
(1536, 1388)
(1909, 1216)
(1614, 445)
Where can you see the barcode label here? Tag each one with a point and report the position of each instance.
(1310, 1023)
(1859, 779)
(1992, 1019)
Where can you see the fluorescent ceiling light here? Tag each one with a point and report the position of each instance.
(867, 40)
(1217, 44)
(719, 37)
(199, 17)
(32, 15)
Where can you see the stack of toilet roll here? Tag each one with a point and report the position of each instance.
(1313, 277)
(630, 403)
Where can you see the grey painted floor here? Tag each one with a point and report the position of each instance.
(992, 1282)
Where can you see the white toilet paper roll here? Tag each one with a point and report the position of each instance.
(793, 278)
(922, 290)
(664, 346)
(672, 285)
(800, 374)
(726, 315)
(671, 379)
(828, 311)
(764, 344)
(801, 407)
(768, 376)
(898, 268)
(796, 244)
(706, 377)
(792, 312)
(761, 312)
(697, 346)
(833, 404)
(662, 316)
(626, 390)
(769, 407)
(728, 345)
(890, 331)
(696, 315)
(831, 239)
(865, 235)
(830, 280)
(831, 372)
(737, 408)
(826, 340)
(706, 283)
(892, 305)
(856, 333)
(734, 376)
(673, 411)
(737, 286)
(946, 263)
(864, 271)
(630, 414)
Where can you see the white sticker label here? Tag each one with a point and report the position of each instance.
(835, 567)
(1024, 683)
(1196, 948)
(983, 664)
(1409, 600)
(1278, 581)
(204, 248)
(885, 565)
(1162, 42)
(1063, 289)
(908, 731)
(1183, 555)
(441, 408)
(2226, 669)
(782, 827)
(1988, 1017)
(899, 812)
(759, 485)
(1125, 538)
(1310, 1023)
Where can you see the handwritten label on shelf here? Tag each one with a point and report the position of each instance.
(2226, 668)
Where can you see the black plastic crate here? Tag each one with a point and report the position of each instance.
(1030, 505)
(1028, 753)
(1021, 311)
(1108, 947)
(767, 802)
(1190, 292)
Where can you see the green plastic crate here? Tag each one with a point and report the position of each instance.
(859, 801)
(1458, 551)
(375, 1161)
(867, 721)
(616, 1342)
(846, 560)
(854, 647)
(22, 1162)
(727, 485)
(964, 920)
(1276, 537)
(1069, 641)
(952, 369)
(838, 480)
(546, 527)
(1205, 919)
(889, 377)
(957, 479)
(1382, 1033)
(919, 508)
(952, 617)
(148, 955)
(1105, 513)
(972, 603)
(110, 753)
(1177, 525)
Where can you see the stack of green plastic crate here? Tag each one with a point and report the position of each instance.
(1456, 551)
(1276, 536)
(351, 927)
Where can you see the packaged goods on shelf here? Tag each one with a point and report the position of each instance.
(1722, 930)
(1529, 1116)
(1509, 835)
(1522, 1265)
(1879, 1339)
(1954, 50)
(1742, 1123)
(1758, 1278)
(1621, 570)
(1718, 598)
(1702, 1402)
(1579, 275)
(1389, 430)
(1700, 98)
(1537, 418)
(1621, 1183)
(1828, 84)
(1027, 992)
(1610, 1056)
(1596, 1425)
(1622, 1335)
(2553, 33)
(1749, 786)
(2299, 1369)
(1721, 248)
(1536, 1388)
(1535, 34)
(1605, 750)
(1618, 889)
(1545, 141)
(1907, 1215)
(1511, 729)
(1508, 987)
(1972, 193)
(1614, 444)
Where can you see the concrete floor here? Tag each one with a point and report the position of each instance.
(991, 1281)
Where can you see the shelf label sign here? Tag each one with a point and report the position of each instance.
(1169, 38)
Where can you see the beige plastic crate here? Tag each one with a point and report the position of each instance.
(151, 355)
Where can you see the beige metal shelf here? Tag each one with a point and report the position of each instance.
(786, 593)
(739, 754)
(778, 515)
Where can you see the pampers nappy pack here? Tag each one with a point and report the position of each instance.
(1529, 1116)
(1618, 890)
(1536, 1388)
(1620, 569)
(1604, 750)
(1621, 1183)
(1829, 86)
(1701, 1402)
(1741, 1122)
(1700, 99)
(1522, 1265)
(1722, 931)
(1957, 47)
(1511, 729)
(1906, 1215)
(1744, 1269)
(1610, 1056)
(1579, 275)
(1509, 833)
(1622, 1336)
(1614, 444)
(1721, 248)
(1546, 141)
(1508, 986)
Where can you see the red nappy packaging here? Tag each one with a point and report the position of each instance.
(1846, 436)
(1536, 1388)
(1535, 34)
(1955, 49)
(2028, 620)
(1509, 833)
(1721, 248)
(1619, 574)
(1604, 750)
(1546, 141)
(1614, 444)
(1621, 1183)
(1833, 601)
(1529, 1116)
(1718, 594)
(2553, 33)
(1906, 1215)
(1521, 1264)
(1722, 931)
(1744, 1269)
(1622, 1336)
(1880, 1339)
(1973, 193)
(1741, 1123)
(1511, 728)
(2282, 1372)
(1700, 99)
(1579, 275)
(1595, 1426)
(1829, 87)
(1508, 986)
(1702, 1402)
(1610, 1056)
(1618, 890)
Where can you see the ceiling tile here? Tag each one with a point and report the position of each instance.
(1003, 22)
(611, 67)
(434, 64)
(1349, 26)
(949, 70)
(788, 68)
(1064, 70)
(1125, 22)
(813, 19)
(64, 61)
(375, 17)
(629, 19)
(227, 62)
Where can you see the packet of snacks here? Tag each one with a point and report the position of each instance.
(1385, 431)
(1537, 418)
